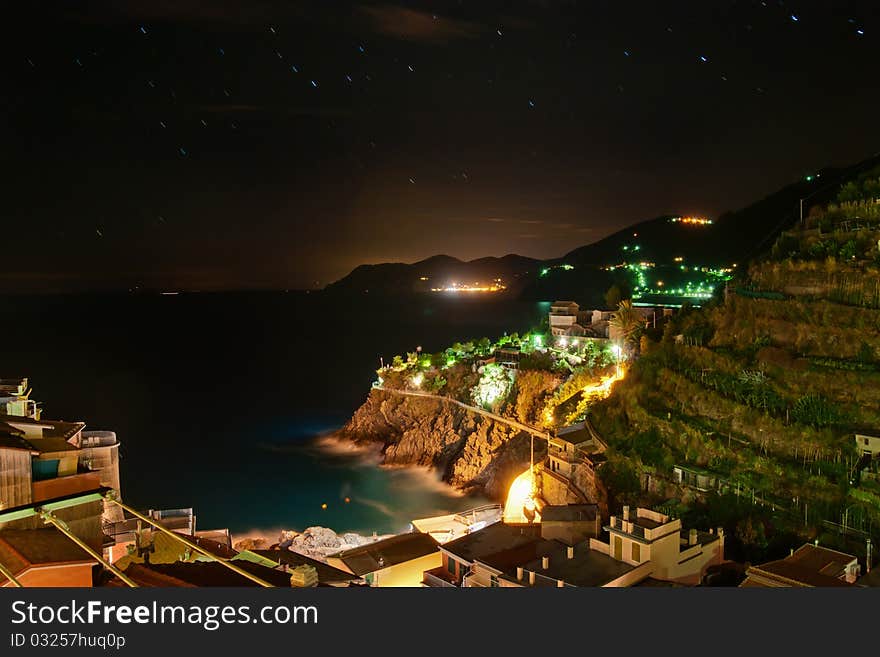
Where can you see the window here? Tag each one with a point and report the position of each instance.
(636, 552)
(450, 565)
(493, 581)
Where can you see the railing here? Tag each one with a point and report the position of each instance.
(432, 580)
(470, 516)
(471, 581)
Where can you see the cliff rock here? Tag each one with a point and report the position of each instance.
(471, 452)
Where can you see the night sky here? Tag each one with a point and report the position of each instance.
(269, 144)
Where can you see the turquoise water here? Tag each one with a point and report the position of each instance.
(219, 400)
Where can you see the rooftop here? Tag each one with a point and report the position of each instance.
(21, 549)
(11, 438)
(454, 525)
(326, 574)
(203, 573)
(387, 552)
(586, 568)
(576, 434)
(810, 565)
(491, 540)
(50, 428)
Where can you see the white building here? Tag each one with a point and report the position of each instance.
(564, 318)
(868, 445)
(648, 536)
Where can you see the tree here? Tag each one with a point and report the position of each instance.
(533, 387)
(615, 294)
(494, 386)
(627, 322)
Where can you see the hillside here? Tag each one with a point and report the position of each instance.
(440, 270)
(667, 244)
(758, 397)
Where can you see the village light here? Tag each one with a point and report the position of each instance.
(520, 497)
(418, 379)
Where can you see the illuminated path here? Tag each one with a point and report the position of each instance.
(498, 418)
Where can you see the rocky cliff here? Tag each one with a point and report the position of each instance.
(471, 452)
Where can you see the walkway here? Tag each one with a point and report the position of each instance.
(475, 409)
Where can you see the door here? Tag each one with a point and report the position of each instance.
(618, 548)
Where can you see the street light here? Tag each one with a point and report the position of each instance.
(617, 351)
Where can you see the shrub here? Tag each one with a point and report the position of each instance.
(493, 387)
(815, 410)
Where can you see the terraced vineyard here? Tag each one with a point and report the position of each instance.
(762, 393)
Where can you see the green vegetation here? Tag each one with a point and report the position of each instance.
(523, 377)
(761, 392)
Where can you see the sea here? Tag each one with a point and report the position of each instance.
(227, 403)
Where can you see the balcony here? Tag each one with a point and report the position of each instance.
(49, 489)
(438, 578)
(471, 580)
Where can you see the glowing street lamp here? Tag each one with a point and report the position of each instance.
(617, 351)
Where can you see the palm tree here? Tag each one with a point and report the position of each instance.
(628, 322)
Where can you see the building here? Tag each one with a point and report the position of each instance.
(697, 478)
(558, 565)
(566, 319)
(459, 555)
(183, 574)
(569, 472)
(397, 561)
(326, 575)
(455, 525)
(808, 566)
(508, 357)
(648, 536)
(571, 445)
(40, 468)
(44, 557)
(868, 445)
(571, 523)
(15, 399)
(54, 458)
(597, 316)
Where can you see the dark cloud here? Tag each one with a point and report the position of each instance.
(413, 25)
